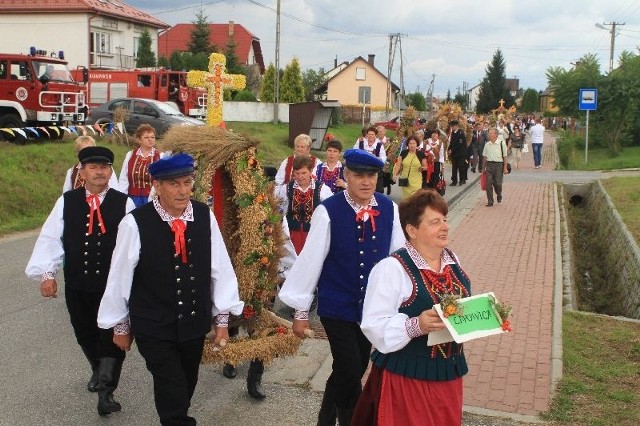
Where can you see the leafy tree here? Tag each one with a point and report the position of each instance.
(311, 79)
(494, 85)
(448, 95)
(233, 63)
(565, 84)
(292, 89)
(199, 42)
(245, 95)
(146, 57)
(254, 78)
(176, 60)
(530, 101)
(461, 99)
(163, 62)
(417, 101)
(267, 94)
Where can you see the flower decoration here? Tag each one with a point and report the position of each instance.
(450, 304)
(248, 312)
(503, 312)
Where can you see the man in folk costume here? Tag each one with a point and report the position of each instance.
(373, 146)
(72, 179)
(301, 146)
(170, 275)
(81, 233)
(350, 232)
(135, 179)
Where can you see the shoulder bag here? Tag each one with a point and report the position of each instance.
(404, 181)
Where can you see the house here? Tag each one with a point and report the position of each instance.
(547, 103)
(358, 83)
(248, 48)
(102, 34)
(473, 94)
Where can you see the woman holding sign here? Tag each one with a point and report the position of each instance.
(412, 383)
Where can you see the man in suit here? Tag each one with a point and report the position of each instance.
(478, 139)
(458, 153)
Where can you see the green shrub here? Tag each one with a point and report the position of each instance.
(245, 95)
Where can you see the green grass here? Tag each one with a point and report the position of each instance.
(625, 193)
(571, 153)
(601, 363)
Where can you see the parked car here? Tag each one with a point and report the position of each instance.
(394, 123)
(159, 115)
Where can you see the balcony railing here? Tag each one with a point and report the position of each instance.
(112, 61)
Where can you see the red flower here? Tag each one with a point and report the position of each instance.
(282, 330)
(248, 312)
(506, 326)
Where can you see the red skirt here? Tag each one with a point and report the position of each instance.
(298, 238)
(390, 399)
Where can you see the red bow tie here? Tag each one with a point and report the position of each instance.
(360, 217)
(178, 227)
(94, 206)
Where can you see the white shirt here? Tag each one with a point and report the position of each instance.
(388, 288)
(281, 193)
(297, 290)
(48, 253)
(114, 307)
(371, 148)
(68, 185)
(537, 133)
(123, 181)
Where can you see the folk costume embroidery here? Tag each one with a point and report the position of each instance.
(76, 179)
(138, 172)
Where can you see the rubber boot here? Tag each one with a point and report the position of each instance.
(108, 378)
(92, 356)
(344, 416)
(254, 379)
(327, 413)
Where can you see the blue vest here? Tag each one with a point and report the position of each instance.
(353, 252)
(417, 359)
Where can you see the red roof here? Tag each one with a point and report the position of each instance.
(178, 37)
(111, 8)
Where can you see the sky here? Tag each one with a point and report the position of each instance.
(455, 39)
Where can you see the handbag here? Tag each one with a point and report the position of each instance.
(508, 164)
(403, 181)
(441, 186)
(483, 181)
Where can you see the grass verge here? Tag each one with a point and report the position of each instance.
(625, 193)
(601, 382)
(571, 154)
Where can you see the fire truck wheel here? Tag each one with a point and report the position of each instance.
(9, 121)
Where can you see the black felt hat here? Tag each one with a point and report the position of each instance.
(95, 154)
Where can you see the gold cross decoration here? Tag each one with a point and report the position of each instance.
(501, 102)
(216, 80)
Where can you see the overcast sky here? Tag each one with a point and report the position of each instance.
(455, 39)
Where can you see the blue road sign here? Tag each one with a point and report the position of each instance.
(588, 100)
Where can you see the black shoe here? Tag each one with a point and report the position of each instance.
(473, 170)
(92, 386)
(453, 183)
(94, 360)
(108, 378)
(462, 182)
(499, 198)
(229, 371)
(254, 380)
(489, 204)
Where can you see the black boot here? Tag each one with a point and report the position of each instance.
(327, 413)
(254, 379)
(108, 378)
(229, 371)
(344, 416)
(92, 356)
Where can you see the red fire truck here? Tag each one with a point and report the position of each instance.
(38, 90)
(159, 84)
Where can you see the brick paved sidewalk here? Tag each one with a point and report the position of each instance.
(509, 249)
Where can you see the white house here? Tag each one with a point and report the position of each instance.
(101, 34)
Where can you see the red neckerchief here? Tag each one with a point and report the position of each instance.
(178, 227)
(372, 214)
(94, 206)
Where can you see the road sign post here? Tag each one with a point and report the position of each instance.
(587, 101)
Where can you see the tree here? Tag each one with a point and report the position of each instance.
(311, 79)
(199, 42)
(565, 84)
(146, 57)
(461, 99)
(292, 89)
(494, 85)
(417, 101)
(245, 95)
(267, 94)
(448, 95)
(530, 101)
(164, 62)
(233, 63)
(254, 78)
(176, 60)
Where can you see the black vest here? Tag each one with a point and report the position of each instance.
(87, 257)
(171, 300)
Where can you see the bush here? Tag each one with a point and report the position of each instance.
(336, 117)
(569, 146)
(245, 95)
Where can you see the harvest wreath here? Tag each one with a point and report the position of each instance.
(229, 178)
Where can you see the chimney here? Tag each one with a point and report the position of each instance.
(371, 58)
(335, 62)
(230, 28)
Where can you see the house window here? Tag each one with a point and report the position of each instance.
(138, 29)
(110, 23)
(136, 46)
(101, 43)
(364, 95)
(361, 73)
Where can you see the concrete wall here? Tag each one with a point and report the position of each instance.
(623, 258)
(256, 112)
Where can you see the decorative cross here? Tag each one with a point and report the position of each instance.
(215, 81)
(501, 102)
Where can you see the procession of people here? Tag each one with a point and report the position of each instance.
(143, 261)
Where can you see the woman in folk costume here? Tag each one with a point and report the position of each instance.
(301, 146)
(412, 383)
(331, 172)
(303, 195)
(73, 178)
(135, 180)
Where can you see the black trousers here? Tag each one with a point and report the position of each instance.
(174, 367)
(350, 350)
(380, 183)
(83, 312)
(458, 167)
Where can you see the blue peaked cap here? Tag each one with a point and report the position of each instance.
(359, 160)
(172, 167)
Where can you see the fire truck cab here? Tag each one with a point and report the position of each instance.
(38, 90)
(159, 84)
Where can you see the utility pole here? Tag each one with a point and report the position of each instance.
(276, 85)
(389, 68)
(612, 31)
